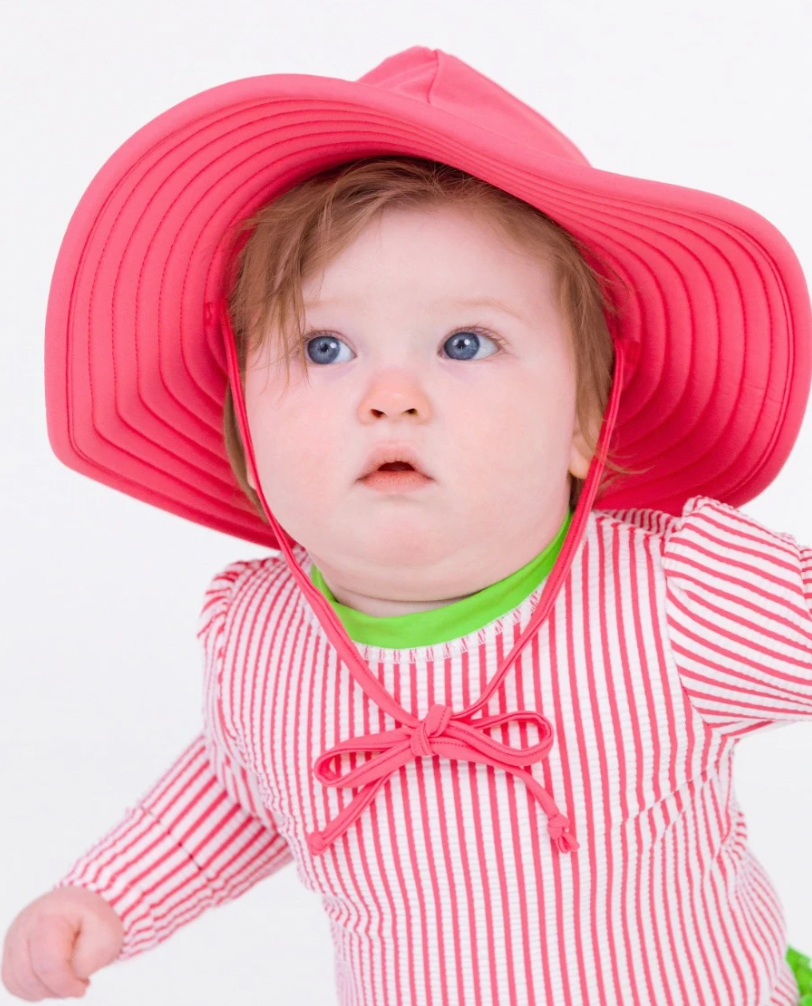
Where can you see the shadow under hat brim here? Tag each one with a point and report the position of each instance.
(718, 307)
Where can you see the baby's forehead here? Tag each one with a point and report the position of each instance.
(432, 259)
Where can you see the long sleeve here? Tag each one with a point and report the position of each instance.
(738, 601)
(201, 835)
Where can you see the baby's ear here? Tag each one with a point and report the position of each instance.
(579, 461)
(580, 454)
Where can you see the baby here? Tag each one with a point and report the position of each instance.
(514, 784)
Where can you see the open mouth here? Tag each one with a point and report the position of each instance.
(396, 476)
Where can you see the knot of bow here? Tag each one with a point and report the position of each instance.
(442, 733)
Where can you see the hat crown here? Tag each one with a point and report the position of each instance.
(441, 80)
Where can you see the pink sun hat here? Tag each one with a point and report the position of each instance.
(715, 328)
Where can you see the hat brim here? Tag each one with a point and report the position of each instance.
(135, 383)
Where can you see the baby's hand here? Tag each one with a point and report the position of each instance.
(57, 941)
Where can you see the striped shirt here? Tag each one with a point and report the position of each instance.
(670, 638)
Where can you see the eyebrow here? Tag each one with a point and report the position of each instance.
(472, 302)
(489, 302)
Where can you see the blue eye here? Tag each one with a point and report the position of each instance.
(325, 348)
(467, 342)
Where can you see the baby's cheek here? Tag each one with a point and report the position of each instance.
(293, 478)
(480, 484)
(302, 490)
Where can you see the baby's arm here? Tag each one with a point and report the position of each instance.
(199, 837)
(739, 610)
(203, 834)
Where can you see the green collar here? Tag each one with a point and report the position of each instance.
(425, 628)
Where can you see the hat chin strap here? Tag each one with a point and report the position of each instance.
(467, 734)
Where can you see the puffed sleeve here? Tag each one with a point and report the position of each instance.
(738, 600)
(201, 835)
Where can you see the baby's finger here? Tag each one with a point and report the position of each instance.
(50, 944)
(18, 975)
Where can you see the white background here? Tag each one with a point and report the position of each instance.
(100, 665)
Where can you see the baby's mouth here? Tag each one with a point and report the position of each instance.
(395, 477)
(393, 459)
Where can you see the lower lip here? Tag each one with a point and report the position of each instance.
(396, 482)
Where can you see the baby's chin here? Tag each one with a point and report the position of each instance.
(409, 575)
(407, 551)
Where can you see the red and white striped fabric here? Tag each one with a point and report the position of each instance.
(671, 638)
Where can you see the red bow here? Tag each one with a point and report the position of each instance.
(439, 733)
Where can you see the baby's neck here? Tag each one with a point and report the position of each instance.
(381, 607)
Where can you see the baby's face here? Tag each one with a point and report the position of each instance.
(494, 426)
